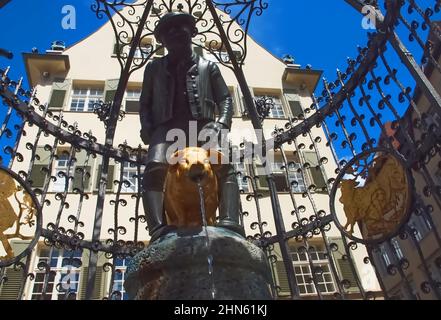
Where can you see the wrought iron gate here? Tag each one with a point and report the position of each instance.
(379, 130)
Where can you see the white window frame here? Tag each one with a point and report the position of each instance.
(244, 184)
(300, 262)
(293, 175)
(132, 95)
(397, 248)
(61, 165)
(120, 277)
(60, 273)
(278, 112)
(421, 225)
(88, 95)
(130, 171)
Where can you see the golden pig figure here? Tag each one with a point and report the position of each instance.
(384, 194)
(8, 216)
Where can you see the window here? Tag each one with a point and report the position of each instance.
(132, 100)
(385, 256)
(61, 173)
(438, 177)
(277, 110)
(83, 99)
(397, 248)
(222, 55)
(118, 289)
(432, 118)
(295, 177)
(63, 278)
(421, 224)
(241, 171)
(143, 51)
(303, 272)
(80, 169)
(130, 174)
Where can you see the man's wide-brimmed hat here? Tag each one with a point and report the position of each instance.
(173, 18)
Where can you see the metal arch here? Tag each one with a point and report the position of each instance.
(359, 70)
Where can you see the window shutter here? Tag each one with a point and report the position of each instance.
(132, 106)
(294, 104)
(37, 175)
(117, 48)
(79, 183)
(344, 265)
(199, 51)
(160, 50)
(241, 102)
(98, 285)
(346, 272)
(59, 93)
(315, 170)
(296, 108)
(282, 277)
(110, 177)
(9, 290)
(259, 171)
(110, 90)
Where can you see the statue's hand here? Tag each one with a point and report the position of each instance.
(145, 136)
(214, 130)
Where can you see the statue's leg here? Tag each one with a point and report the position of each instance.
(229, 201)
(153, 188)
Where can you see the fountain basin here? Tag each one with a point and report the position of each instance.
(176, 268)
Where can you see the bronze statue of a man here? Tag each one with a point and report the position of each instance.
(179, 88)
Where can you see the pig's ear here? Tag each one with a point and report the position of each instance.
(174, 162)
(217, 159)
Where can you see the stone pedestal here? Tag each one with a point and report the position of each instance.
(176, 267)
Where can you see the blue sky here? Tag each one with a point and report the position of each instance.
(310, 30)
(316, 32)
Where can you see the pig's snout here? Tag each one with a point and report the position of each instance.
(197, 172)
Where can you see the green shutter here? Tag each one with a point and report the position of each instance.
(37, 175)
(315, 170)
(79, 183)
(109, 96)
(242, 102)
(57, 99)
(346, 273)
(294, 104)
(9, 290)
(98, 285)
(160, 50)
(199, 51)
(117, 48)
(132, 106)
(110, 177)
(59, 93)
(282, 278)
(344, 265)
(261, 182)
(296, 108)
(110, 90)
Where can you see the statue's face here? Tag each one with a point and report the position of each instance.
(177, 37)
